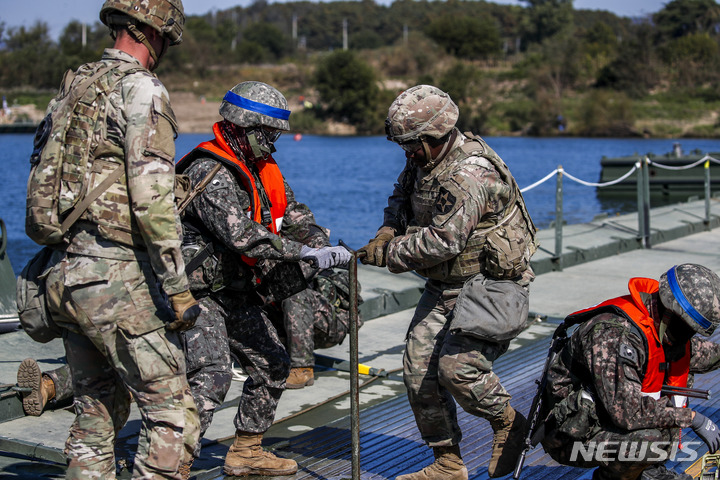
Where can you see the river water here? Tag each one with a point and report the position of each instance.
(346, 180)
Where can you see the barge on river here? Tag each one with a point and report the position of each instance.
(671, 173)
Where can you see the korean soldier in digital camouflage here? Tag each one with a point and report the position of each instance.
(454, 197)
(609, 384)
(246, 227)
(118, 287)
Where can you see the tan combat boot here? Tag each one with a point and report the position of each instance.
(184, 470)
(448, 465)
(508, 442)
(42, 388)
(246, 457)
(300, 377)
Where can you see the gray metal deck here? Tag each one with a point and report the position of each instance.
(312, 424)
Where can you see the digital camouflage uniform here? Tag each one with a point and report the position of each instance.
(109, 289)
(234, 320)
(608, 359)
(317, 317)
(435, 216)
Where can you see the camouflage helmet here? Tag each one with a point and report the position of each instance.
(692, 292)
(165, 16)
(255, 104)
(422, 110)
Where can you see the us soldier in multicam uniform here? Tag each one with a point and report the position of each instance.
(453, 191)
(109, 286)
(605, 385)
(245, 227)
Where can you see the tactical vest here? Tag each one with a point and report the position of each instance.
(657, 372)
(217, 271)
(501, 245)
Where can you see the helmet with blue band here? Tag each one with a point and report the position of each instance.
(692, 292)
(256, 104)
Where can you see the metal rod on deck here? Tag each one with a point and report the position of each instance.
(354, 365)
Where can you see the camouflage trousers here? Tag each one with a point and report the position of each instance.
(311, 322)
(642, 446)
(234, 323)
(440, 367)
(115, 343)
(62, 379)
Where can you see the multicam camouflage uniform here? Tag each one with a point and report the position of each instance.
(109, 289)
(234, 319)
(437, 222)
(443, 208)
(594, 386)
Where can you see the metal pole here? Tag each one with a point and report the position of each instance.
(559, 217)
(707, 194)
(646, 202)
(640, 196)
(354, 369)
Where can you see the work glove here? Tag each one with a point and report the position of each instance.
(707, 430)
(325, 257)
(374, 253)
(186, 311)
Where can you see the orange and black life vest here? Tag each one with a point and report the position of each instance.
(658, 372)
(268, 172)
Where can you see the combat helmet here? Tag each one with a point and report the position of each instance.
(256, 104)
(165, 16)
(692, 292)
(420, 111)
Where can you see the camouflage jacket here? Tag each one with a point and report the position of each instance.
(436, 215)
(220, 211)
(592, 361)
(138, 130)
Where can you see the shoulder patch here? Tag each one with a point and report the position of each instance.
(445, 201)
(628, 353)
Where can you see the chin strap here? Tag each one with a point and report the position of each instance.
(140, 37)
(664, 322)
(446, 148)
(259, 150)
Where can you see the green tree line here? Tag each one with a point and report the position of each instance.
(542, 68)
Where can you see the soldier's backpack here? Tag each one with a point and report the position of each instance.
(56, 190)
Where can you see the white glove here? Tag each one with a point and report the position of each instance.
(325, 257)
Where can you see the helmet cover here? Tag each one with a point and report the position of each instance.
(422, 110)
(692, 292)
(165, 16)
(255, 104)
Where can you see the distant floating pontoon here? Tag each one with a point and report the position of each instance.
(667, 175)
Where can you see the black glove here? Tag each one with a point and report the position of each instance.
(186, 311)
(374, 253)
(707, 430)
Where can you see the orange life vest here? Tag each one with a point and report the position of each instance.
(268, 172)
(658, 372)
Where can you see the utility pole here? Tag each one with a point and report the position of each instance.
(345, 35)
(84, 35)
(294, 30)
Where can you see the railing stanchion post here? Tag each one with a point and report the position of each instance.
(559, 218)
(707, 195)
(640, 196)
(646, 201)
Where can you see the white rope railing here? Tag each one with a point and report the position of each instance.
(684, 167)
(582, 182)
